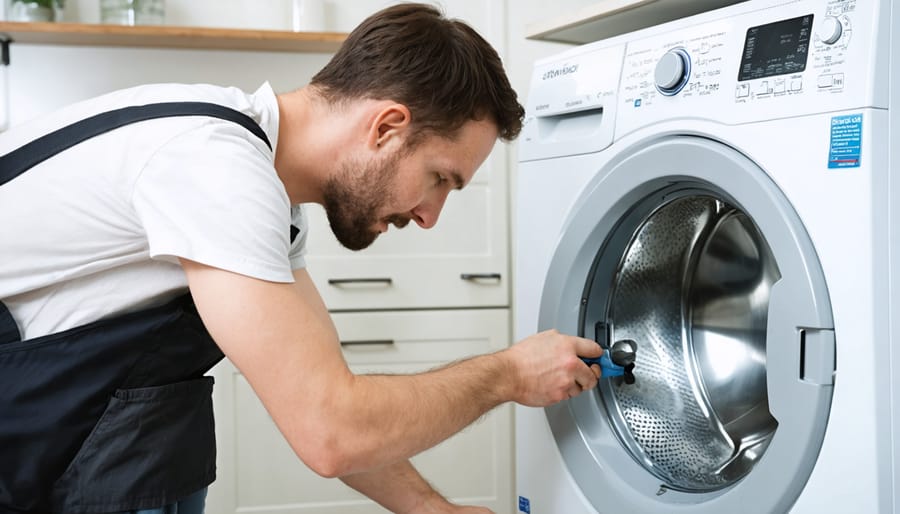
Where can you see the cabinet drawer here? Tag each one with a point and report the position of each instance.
(258, 471)
(415, 340)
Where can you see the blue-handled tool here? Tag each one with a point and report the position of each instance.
(609, 368)
(617, 361)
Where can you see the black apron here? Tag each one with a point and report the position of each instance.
(116, 414)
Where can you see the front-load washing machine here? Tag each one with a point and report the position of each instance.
(723, 190)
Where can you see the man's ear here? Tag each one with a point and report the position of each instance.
(391, 122)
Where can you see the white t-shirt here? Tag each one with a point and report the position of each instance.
(98, 229)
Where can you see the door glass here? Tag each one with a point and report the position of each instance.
(687, 276)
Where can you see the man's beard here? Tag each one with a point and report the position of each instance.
(353, 198)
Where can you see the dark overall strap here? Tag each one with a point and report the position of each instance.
(31, 154)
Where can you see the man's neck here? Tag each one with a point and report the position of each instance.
(302, 157)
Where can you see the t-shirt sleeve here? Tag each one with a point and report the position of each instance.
(212, 195)
(300, 223)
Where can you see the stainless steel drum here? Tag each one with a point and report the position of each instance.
(691, 286)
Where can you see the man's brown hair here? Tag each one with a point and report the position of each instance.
(440, 68)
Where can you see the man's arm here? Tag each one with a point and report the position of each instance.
(401, 489)
(339, 423)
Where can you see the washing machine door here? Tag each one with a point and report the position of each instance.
(688, 248)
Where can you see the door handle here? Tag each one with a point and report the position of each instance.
(472, 277)
(368, 342)
(347, 281)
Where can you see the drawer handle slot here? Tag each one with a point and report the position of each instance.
(369, 342)
(350, 281)
(473, 277)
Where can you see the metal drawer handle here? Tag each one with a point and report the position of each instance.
(480, 276)
(344, 281)
(368, 342)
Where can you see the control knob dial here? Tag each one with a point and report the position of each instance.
(830, 30)
(673, 71)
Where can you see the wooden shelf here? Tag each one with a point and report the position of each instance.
(80, 34)
(608, 18)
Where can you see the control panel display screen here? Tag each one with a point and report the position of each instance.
(776, 48)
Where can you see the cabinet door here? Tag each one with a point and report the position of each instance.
(461, 262)
(258, 472)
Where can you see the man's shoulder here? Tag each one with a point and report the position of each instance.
(132, 96)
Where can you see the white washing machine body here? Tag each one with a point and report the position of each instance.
(774, 123)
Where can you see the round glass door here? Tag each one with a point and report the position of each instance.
(688, 248)
(690, 285)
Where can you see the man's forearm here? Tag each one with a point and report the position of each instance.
(398, 487)
(386, 418)
(370, 420)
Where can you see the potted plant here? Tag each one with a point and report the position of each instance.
(34, 10)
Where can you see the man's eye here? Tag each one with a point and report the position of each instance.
(440, 178)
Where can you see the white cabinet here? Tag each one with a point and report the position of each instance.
(461, 262)
(258, 472)
(608, 18)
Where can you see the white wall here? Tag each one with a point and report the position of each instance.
(43, 77)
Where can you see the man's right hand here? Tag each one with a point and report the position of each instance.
(547, 367)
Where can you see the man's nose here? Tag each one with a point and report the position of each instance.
(426, 213)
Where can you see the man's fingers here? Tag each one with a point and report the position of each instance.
(586, 378)
(549, 367)
(575, 390)
(587, 348)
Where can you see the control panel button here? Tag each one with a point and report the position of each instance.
(830, 30)
(825, 81)
(672, 71)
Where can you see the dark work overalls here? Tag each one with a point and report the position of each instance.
(116, 414)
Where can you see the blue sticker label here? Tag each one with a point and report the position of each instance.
(846, 141)
(524, 505)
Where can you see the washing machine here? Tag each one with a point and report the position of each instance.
(723, 190)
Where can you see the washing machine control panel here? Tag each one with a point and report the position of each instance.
(801, 57)
(687, 67)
